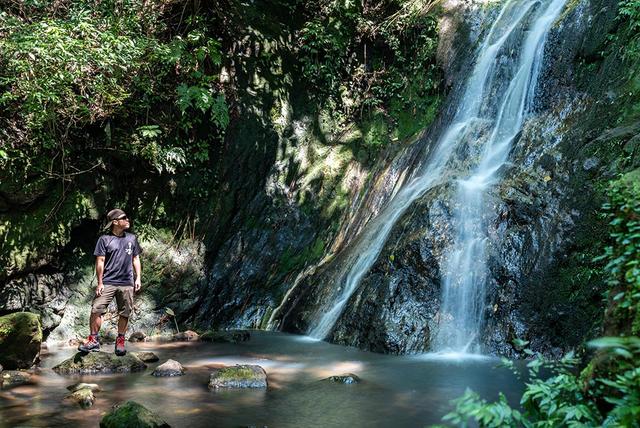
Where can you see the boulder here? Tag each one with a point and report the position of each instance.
(99, 362)
(81, 385)
(186, 336)
(132, 414)
(137, 336)
(346, 378)
(83, 396)
(147, 356)
(11, 378)
(225, 336)
(168, 369)
(20, 339)
(239, 376)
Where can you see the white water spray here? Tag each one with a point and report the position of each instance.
(489, 116)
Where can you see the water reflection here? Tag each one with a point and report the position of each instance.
(396, 391)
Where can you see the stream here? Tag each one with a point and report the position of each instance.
(398, 391)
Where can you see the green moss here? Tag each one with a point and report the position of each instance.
(236, 373)
(100, 362)
(132, 415)
(293, 260)
(20, 339)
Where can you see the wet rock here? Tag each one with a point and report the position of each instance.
(11, 378)
(590, 163)
(83, 396)
(168, 369)
(99, 362)
(107, 337)
(20, 339)
(147, 356)
(137, 336)
(225, 336)
(239, 376)
(346, 378)
(186, 336)
(132, 414)
(43, 293)
(81, 385)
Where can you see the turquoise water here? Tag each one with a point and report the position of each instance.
(396, 391)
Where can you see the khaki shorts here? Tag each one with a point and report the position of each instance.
(124, 298)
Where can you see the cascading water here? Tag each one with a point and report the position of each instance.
(471, 150)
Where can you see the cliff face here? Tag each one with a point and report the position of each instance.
(541, 285)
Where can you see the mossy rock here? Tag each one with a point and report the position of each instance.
(132, 415)
(20, 339)
(100, 362)
(239, 376)
(225, 336)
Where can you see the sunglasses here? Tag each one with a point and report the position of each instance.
(123, 218)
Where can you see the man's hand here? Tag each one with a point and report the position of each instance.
(137, 285)
(99, 289)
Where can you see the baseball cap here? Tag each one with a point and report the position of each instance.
(114, 214)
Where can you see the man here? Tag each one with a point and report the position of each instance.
(118, 270)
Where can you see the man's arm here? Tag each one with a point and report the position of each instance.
(99, 274)
(137, 268)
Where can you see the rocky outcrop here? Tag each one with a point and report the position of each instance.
(169, 368)
(239, 376)
(132, 414)
(100, 362)
(20, 339)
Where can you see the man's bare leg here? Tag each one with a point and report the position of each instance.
(95, 322)
(122, 324)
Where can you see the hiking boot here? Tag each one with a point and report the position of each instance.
(91, 344)
(120, 351)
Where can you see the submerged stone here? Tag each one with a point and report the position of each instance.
(20, 339)
(11, 378)
(225, 336)
(132, 414)
(147, 356)
(168, 369)
(239, 376)
(99, 362)
(347, 378)
(83, 396)
(186, 336)
(81, 385)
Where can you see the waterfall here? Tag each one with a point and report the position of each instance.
(470, 151)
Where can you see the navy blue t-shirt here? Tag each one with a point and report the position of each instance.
(118, 252)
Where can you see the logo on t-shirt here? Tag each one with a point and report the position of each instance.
(129, 249)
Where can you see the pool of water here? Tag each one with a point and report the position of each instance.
(396, 391)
